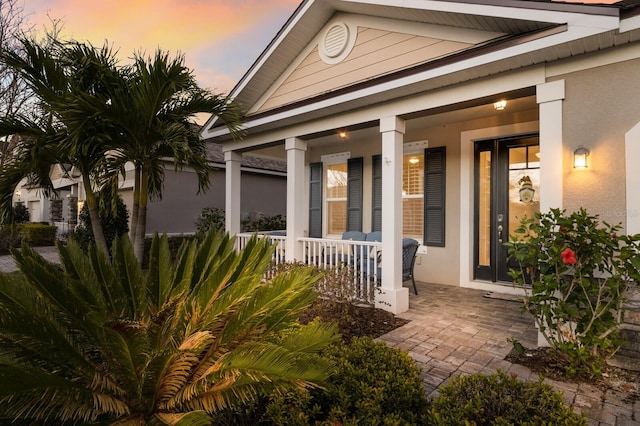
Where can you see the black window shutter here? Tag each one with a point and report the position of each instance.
(354, 194)
(315, 200)
(376, 208)
(434, 196)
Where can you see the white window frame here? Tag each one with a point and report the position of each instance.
(410, 149)
(331, 160)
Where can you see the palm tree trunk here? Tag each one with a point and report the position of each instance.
(141, 222)
(96, 226)
(136, 204)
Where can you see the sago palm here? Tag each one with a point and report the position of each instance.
(100, 341)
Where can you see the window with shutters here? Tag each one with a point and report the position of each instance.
(412, 195)
(336, 201)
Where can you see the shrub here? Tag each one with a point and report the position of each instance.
(575, 272)
(266, 223)
(20, 213)
(9, 237)
(114, 224)
(37, 234)
(372, 384)
(499, 399)
(210, 218)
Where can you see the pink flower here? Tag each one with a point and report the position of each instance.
(568, 257)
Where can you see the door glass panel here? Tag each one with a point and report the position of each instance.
(524, 185)
(484, 210)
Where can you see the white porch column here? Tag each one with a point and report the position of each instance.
(394, 296)
(549, 97)
(232, 161)
(632, 153)
(296, 149)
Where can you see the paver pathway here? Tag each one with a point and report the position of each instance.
(460, 331)
(7, 263)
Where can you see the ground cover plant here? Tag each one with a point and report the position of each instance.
(99, 340)
(575, 271)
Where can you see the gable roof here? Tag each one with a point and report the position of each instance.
(525, 33)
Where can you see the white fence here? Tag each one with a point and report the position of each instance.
(354, 265)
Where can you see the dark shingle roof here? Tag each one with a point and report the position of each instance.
(269, 164)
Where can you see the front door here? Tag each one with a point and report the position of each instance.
(507, 188)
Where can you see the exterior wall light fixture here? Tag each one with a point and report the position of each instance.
(580, 158)
(500, 105)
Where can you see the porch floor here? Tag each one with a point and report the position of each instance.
(456, 330)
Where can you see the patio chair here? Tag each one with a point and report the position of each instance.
(347, 258)
(369, 258)
(409, 251)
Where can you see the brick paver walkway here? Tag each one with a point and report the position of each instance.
(460, 331)
(8, 265)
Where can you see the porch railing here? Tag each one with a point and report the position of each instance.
(355, 266)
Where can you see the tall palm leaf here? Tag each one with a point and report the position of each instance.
(154, 108)
(71, 82)
(100, 341)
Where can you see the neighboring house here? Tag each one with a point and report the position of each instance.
(180, 207)
(446, 121)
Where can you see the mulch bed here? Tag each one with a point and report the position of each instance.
(550, 365)
(354, 321)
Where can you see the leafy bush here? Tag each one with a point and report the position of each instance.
(37, 234)
(20, 213)
(372, 384)
(575, 272)
(266, 223)
(114, 224)
(499, 399)
(210, 218)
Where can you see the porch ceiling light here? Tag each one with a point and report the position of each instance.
(500, 105)
(580, 157)
(414, 160)
(342, 134)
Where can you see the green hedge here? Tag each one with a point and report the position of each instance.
(33, 234)
(37, 234)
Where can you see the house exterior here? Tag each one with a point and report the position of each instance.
(180, 207)
(444, 121)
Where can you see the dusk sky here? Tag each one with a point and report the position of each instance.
(219, 38)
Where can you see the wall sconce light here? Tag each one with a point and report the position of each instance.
(580, 157)
(414, 160)
(500, 105)
(342, 134)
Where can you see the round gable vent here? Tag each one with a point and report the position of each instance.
(336, 43)
(336, 39)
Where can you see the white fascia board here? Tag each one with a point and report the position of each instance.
(630, 24)
(538, 13)
(514, 80)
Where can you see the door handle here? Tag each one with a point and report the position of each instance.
(499, 234)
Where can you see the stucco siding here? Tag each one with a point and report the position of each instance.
(376, 52)
(600, 106)
(180, 206)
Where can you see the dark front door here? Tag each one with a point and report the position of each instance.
(507, 188)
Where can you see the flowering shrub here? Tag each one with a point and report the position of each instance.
(575, 272)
